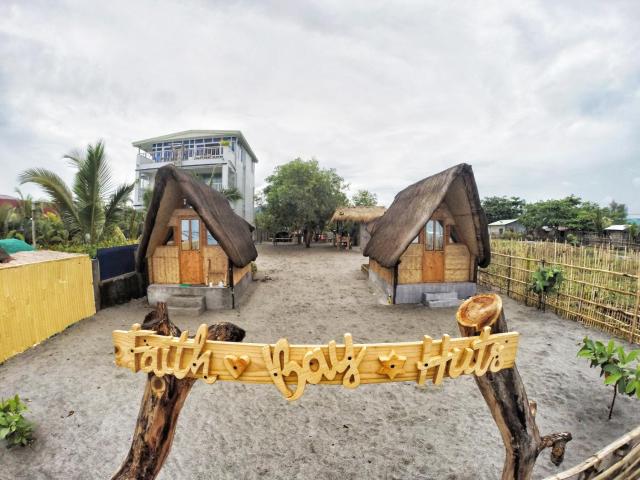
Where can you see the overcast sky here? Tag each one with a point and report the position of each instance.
(542, 98)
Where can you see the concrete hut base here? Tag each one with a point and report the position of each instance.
(413, 293)
(215, 298)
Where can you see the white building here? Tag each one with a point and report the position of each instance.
(220, 158)
(499, 228)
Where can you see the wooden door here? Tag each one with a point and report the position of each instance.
(433, 255)
(190, 252)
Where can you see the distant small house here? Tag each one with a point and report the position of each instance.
(193, 245)
(618, 233)
(431, 239)
(362, 217)
(499, 228)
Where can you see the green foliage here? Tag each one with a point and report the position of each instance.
(573, 240)
(616, 366)
(574, 213)
(91, 208)
(301, 195)
(14, 428)
(546, 280)
(232, 194)
(503, 208)
(364, 198)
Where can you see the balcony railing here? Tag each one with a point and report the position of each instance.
(180, 155)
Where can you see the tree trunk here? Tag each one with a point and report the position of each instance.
(613, 402)
(161, 404)
(506, 397)
(308, 236)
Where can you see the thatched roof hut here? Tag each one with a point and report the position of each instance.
(357, 214)
(413, 206)
(171, 190)
(435, 231)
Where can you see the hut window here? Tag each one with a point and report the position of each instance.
(434, 235)
(211, 240)
(190, 234)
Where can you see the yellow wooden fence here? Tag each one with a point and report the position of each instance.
(41, 294)
(601, 286)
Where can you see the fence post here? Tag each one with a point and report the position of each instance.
(509, 272)
(634, 320)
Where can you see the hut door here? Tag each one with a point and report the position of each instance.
(433, 255)
(190, 251)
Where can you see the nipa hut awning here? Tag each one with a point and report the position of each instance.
(231, 231)
(392, 233)
(357, 214)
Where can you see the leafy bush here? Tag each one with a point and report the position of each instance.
(545, 280)
(614, 364)
(14, 428)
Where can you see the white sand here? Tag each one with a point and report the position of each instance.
(249, 431)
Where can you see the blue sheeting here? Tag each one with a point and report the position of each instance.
(116, 261)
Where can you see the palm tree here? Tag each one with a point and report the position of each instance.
(90, 209)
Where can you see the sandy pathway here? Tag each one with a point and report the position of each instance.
(85, 408)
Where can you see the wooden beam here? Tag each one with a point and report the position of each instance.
(506, 396)
(162, 402)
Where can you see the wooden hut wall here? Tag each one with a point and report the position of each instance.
(384, 273)
(240, 273)
(458, 263)
(164, 265)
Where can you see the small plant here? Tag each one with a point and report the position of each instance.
(14, 428)
(545, 280)
(614, 364)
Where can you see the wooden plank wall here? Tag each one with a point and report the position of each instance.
(457, 263)
(164, 265)
(38, 300)
(410, 268)
(385, 273)
(216, 264)
(239, 273)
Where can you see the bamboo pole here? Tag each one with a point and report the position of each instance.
(636, 310)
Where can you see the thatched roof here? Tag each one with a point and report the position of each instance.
(357, 214)
(232, 231)
(392, 233)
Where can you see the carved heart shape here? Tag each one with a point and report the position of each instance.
(236, 365)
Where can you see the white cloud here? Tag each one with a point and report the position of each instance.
(542, 98)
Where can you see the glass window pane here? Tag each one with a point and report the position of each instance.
(211, 239)
(184, 227)
(195, 234)
(429, 231)
(439, 235)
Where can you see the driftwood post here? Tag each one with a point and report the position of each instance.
(161, 404)
(506, 397)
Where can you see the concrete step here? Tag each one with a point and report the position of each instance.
(439, 296)
(185, 301)
(451, 302)
(186, 311)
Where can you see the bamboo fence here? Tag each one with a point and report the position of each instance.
(601, 286)
(619, 460)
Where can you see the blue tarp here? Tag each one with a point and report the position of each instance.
(116, 261)
(13, 245)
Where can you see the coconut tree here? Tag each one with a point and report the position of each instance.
(91, 207)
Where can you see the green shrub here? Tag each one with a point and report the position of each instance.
(545, 280)
(615, 365)
(14, 428)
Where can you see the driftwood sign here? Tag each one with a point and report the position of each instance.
(174, 362)
(284, 365)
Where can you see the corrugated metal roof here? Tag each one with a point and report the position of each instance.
(503, 222)
(617, 228)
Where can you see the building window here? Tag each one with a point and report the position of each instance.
(190, 234)
(211, 240)
(434, 235)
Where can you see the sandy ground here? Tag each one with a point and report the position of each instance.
(85, 408)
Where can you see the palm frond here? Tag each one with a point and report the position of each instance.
(115, 206)
(58, 192)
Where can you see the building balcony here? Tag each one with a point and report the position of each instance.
(185, 157)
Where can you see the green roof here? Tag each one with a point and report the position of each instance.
(189, 134)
